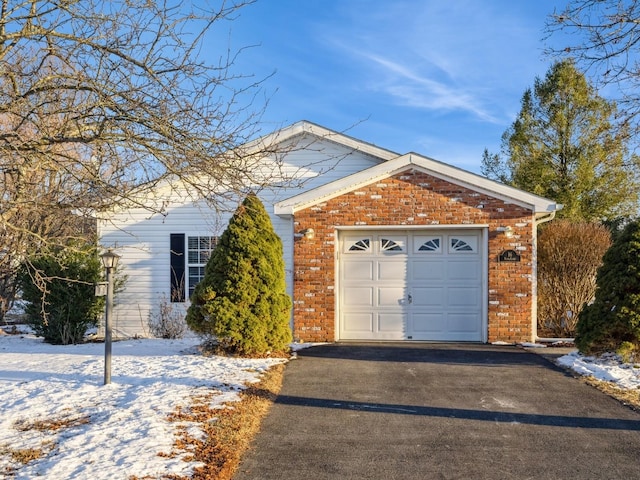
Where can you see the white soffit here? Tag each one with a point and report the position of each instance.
(432, 167)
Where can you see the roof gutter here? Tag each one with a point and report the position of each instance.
(549, 216)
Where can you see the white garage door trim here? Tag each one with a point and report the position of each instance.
(412, 284)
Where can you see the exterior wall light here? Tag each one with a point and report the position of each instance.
(508, 231)
(309, 233)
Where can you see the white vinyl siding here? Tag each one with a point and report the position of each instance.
(142, 239)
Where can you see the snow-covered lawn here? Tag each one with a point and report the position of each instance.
(608, 368)
(110, 431)
(117, 431)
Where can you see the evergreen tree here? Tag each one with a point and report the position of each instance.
(59, 290)
(614, 317)
(564, 145)
(242, 299)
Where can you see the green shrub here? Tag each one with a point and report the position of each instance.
(628, 352)
(59, 291)
(242, 299)
(614, 317)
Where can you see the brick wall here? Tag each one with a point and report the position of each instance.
(413, 198)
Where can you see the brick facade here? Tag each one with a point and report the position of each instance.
(414, 198)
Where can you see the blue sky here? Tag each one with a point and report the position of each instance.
(442, 78)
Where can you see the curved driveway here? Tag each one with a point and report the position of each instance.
(439, 411)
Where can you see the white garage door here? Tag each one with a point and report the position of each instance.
(411, 286)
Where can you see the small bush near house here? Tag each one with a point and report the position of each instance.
(168, 321)
(59, 291)
(242, 299)
(569, 255)
(628, 352)
(612, 322)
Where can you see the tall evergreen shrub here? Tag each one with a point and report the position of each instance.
(613, 319)
(59, 291)
(242, 299)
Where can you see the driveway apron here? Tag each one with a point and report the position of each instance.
(439, 411)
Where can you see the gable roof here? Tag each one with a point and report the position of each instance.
(267, 142)
(540, 206)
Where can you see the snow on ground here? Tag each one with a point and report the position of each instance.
(609, 368)
(120, 428)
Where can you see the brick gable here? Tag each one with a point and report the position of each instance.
(414, 198)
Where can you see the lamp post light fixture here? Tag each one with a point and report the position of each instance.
(109, 262)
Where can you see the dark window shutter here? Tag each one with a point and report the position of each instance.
(178, 259)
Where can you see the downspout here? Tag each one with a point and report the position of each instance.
(549, 217)
(539, 221)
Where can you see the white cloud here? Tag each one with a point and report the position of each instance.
(421, 91)
(462, 56)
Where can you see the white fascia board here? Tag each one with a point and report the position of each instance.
(267, 143)
(482, 184)
(438, 169)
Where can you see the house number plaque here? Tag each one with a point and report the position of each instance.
(509, 256)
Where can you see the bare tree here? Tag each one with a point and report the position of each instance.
(603, 36)
(102, 101)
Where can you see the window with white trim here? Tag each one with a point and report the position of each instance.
(198, 253)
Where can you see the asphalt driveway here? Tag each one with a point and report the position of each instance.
(440, 411)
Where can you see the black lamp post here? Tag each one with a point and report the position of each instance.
(110, 262)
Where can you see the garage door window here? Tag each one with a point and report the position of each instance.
(463, 244)
(361, 245)
(391, 245)
(429, 244)
(379, 245)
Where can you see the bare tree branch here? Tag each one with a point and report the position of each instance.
(603, 36)
(101, 102)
